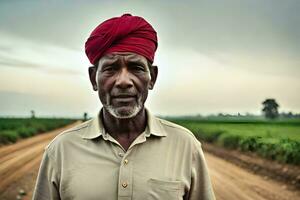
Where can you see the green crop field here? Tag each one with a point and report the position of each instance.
(276, 140)
(12, 129)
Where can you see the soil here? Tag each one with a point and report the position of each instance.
(19, 164)
(231, 182)
(285, 173)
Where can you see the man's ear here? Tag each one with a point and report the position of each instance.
(92, 74)
(153, 74)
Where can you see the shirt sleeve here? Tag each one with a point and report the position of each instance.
(201, 187)
(47, 187)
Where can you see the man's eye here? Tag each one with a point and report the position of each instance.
(108, 69)
(138, 68)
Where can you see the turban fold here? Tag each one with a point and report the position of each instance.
(122, 34)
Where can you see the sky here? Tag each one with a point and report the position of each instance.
(213, 56)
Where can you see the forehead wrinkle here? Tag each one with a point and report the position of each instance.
(127, 55)
(136, 58)
(107, 60)
(123, 56)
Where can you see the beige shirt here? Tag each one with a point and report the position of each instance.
(165, 162)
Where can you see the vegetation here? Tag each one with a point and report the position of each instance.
(277, 140)
(270, 108)
(11, 129)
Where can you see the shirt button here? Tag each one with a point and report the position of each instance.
(126, 161)
(120, 154)
(124, 184)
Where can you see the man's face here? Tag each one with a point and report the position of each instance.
(123, 80)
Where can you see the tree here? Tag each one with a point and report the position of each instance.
(85, 116)
(32, 114)
(270, 108)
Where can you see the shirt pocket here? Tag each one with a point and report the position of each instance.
(164, 190)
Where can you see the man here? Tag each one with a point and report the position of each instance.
(124, 153)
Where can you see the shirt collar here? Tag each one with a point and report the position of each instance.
(96, 128)
(154, 125)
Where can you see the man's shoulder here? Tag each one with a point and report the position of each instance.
(71, 135)
(177, 131)
(173, 126)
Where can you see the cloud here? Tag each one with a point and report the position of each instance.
(5, 49)
(24, 54)
(8, 62)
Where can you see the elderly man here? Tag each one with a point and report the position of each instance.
(125, 153)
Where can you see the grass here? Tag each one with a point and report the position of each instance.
(12, 129)
(276, 140)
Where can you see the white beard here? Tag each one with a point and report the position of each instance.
(131, 113)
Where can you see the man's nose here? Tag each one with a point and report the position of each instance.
(124, 79)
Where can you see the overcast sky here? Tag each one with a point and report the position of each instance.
(213, 56)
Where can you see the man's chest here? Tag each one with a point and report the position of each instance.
(143, 172)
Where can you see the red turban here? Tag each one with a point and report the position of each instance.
(122, 34)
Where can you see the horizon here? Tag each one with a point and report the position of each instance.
(219, 114)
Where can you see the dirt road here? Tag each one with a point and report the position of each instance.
(231, 182)
(19, 165)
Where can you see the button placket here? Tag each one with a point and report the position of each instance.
(125, 176)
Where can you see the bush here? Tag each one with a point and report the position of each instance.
(40, 128)
(267, 150)
(8, 136)
(25, 132)
(212, 136)
(229, 141)
(250, 143)
(288, 151)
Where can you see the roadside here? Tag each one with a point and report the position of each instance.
(230, 182)
(20, 163)
(287, 174)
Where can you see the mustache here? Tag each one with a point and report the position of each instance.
(123, 93)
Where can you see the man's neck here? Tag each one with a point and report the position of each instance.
(124, 128)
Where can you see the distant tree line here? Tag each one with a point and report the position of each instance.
(289, 115)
